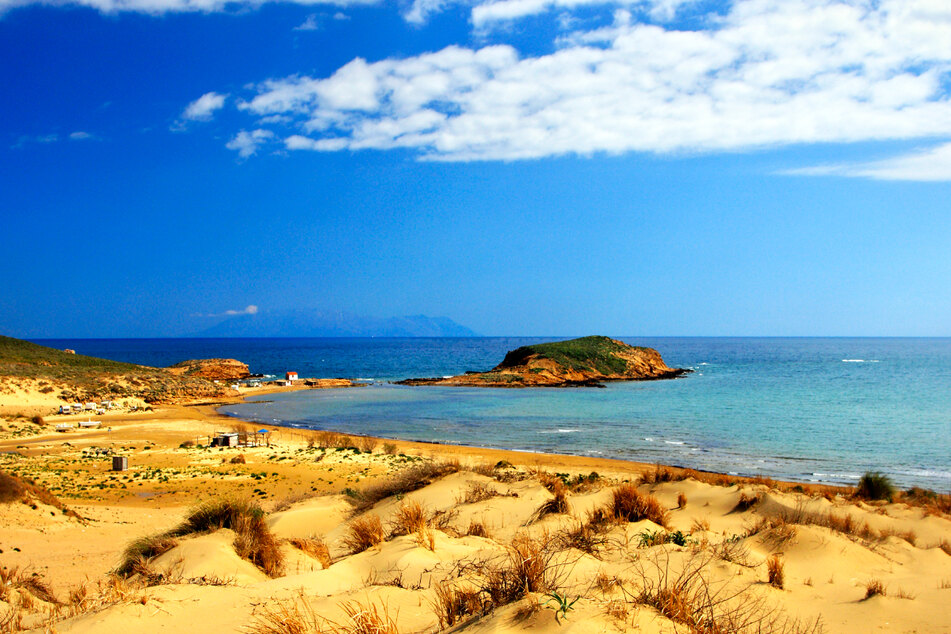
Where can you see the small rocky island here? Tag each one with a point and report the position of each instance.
(584, 362)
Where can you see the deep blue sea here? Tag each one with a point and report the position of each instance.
(804, 409)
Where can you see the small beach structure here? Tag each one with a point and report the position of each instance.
(91, 407)
(63, 427)
(89, 424)
(65, 409)
(290, 376)
(76, 407)
(228, 439)
(120, 463)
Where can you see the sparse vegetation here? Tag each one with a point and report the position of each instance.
(875, 486)
(364, 532)
(629, 505)
(874, 587)
(314, 547)
(253, 539)
(774, 572)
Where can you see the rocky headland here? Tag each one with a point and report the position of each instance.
(214, 369)
(584, 362)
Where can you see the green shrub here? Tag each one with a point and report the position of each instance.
(875, 486)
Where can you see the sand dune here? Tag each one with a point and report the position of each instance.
(507, 548)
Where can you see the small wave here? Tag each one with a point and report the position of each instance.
(559, 431)
(674, 442)
(358, 379)
(859, 360)
(649, 439)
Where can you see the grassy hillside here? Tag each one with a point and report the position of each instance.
(76, 377)
(595, 353)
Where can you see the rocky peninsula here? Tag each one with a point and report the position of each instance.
(584, 362)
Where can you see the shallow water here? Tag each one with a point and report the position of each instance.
(805, 409)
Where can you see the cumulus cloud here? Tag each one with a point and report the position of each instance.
(768, 73)
(932, 164)
(204, 108)
(247, 143)
(493, 11)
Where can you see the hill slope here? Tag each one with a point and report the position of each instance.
(576, 362)
(56, 376)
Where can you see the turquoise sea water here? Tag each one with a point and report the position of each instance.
(805, 409)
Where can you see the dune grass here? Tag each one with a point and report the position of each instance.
(875, 486)
(629, 505)
(363, 533)
(253, 539)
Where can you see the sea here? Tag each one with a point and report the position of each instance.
(822, 410)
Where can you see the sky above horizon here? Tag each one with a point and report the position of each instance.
(523, 167)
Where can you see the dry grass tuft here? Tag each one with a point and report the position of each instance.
(629, 505)
(774, 572)
(366, 444)
(681, 500)
(874, 587)
(410, 518)
(453, 604)
(582, 536)
(746, 502)
(406, 481)
(364, 532)
(477, 492)
(253, 539)
(313, 547)
(477, 529)
(699, 525)
(368, 619)
(661, 474)
(686, 596)
(558, 503)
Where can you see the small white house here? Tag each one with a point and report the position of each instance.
(291, 376)
(91, 407)
(76, 407)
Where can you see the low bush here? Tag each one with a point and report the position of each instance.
(363, 533)
(314, 547)
(875, 486)
(629, 505)
(774, 572)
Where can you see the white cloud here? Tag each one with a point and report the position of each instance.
(484, 14)
(79, 135)
(249, 310)
(204, 108)
(312, 23)
(932, 164)
(159, 7)
(770, 72)
(247, 143)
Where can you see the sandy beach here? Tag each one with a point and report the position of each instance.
(384, 536)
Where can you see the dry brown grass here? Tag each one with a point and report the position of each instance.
(699, 525)
(409, 518)
(774, 572)
(366, 443)
(313, 547)
(363, 533)
(406, 481)
(629, 505)
(16, 489)
(330, 440)
(874, 587)
(19, 581)
(558, 503)
(746, 502)
(581, 536)
(687, 596)
(477, 492)
(681, 500)
(368, 619)
(253, 539)
(477, 529)
(453, 604)
(662, 474)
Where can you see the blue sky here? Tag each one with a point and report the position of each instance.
(549, 167)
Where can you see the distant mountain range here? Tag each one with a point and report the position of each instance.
(312, 323)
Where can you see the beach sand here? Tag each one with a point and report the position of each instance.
(507, 538)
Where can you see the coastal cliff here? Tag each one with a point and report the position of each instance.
(584, 362)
